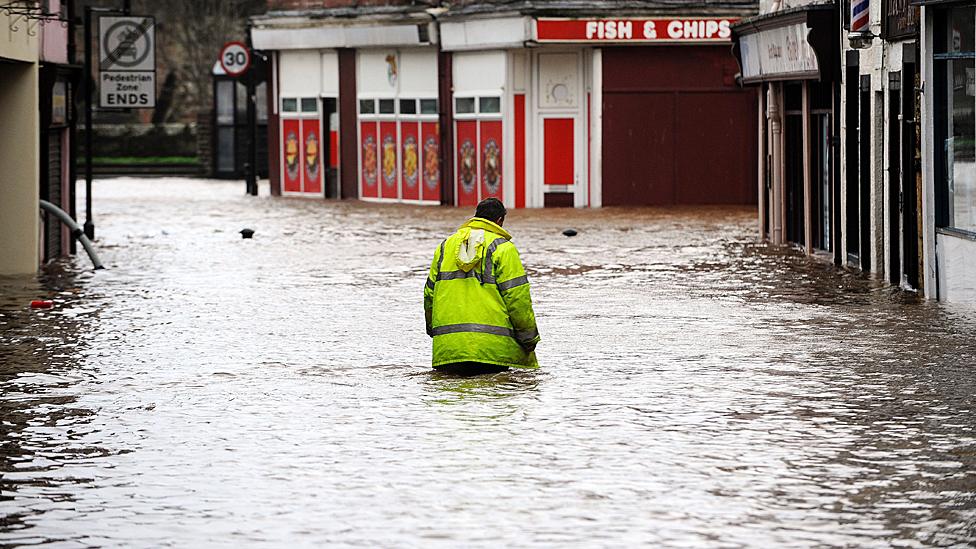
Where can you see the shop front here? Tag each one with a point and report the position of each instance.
(399, 137)
(539, 111)
(599, 111)
(902, 189)
(353, 103)
(792, 55)
(949, 150)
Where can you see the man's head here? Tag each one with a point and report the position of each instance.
(491, 209)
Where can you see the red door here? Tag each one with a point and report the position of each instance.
(491, 159)
(369, 160)
(559, 154)
(291, 165)
(388, 160)
(431, 161)
(467, 162)
(312, 156)
(410, 157)
(676, 127)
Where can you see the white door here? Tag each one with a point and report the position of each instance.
(561, 104)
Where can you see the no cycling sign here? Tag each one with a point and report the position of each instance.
(127, 62)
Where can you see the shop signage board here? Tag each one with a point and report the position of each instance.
(127, 62)
(657, 30)
(900, 19)
(779, 53)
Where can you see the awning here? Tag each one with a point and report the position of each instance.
(938, 2)
(485, 34)
(794, 44)
(344, 27)
(319, 37)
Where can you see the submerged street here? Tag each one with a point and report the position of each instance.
(697, 388)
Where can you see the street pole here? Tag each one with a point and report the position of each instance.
(252, 119)
(89, 220)
(252, 131)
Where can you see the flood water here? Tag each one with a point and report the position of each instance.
(697, 389)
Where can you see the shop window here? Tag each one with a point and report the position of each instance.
(955, 73)
(225, 101)
(288, 104)
(428, 106)
(367, 106)
(387, 106)
(489, 105)
(464, 105)
(408, 106)
(310, 105)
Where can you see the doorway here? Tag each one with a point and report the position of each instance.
(852, 151)
(909, 177)
(561, 103)
(864, 163)
(894, 178)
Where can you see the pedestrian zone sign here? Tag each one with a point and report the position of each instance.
(127, 62)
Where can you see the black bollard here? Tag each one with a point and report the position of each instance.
(247, 233)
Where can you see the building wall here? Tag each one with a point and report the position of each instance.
(15, 42)
(19, 215)
(957, 269)
(19, 173)
(54, 37)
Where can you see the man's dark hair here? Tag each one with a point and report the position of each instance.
(491, 209)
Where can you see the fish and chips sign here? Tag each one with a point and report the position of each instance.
(127, 62)
(678, 30)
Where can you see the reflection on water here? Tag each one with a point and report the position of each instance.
(697, 388)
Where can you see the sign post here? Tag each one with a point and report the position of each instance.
(235, 59)
(127, 62)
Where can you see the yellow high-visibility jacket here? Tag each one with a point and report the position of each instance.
(477, 302)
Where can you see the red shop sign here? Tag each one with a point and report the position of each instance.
(671, 29)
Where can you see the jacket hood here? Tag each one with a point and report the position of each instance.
(471, 243)
(481, 223)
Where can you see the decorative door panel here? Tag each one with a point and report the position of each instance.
(369, 159)
(291, 147)
(431, 160)
(410, 160)
(388, 160)
(491, 158)
(559, 81)
(467, 162)
(311, 157)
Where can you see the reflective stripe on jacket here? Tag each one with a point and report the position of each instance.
(482, 314)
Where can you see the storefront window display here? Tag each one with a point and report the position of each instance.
(955, 78)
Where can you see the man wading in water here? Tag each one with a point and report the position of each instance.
(477, 301)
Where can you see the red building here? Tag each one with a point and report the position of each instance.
(537, 103)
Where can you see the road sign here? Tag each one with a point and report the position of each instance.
(127, 62)
(235, 58)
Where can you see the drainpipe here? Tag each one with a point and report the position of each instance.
(76, 231)
(776, 135)
(773, 113)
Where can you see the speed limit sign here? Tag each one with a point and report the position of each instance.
(235, 58)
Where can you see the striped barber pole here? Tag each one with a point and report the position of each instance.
(859, 16)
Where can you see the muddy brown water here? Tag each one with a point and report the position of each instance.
(698, 389)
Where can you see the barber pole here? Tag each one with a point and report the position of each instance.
(860, 13)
